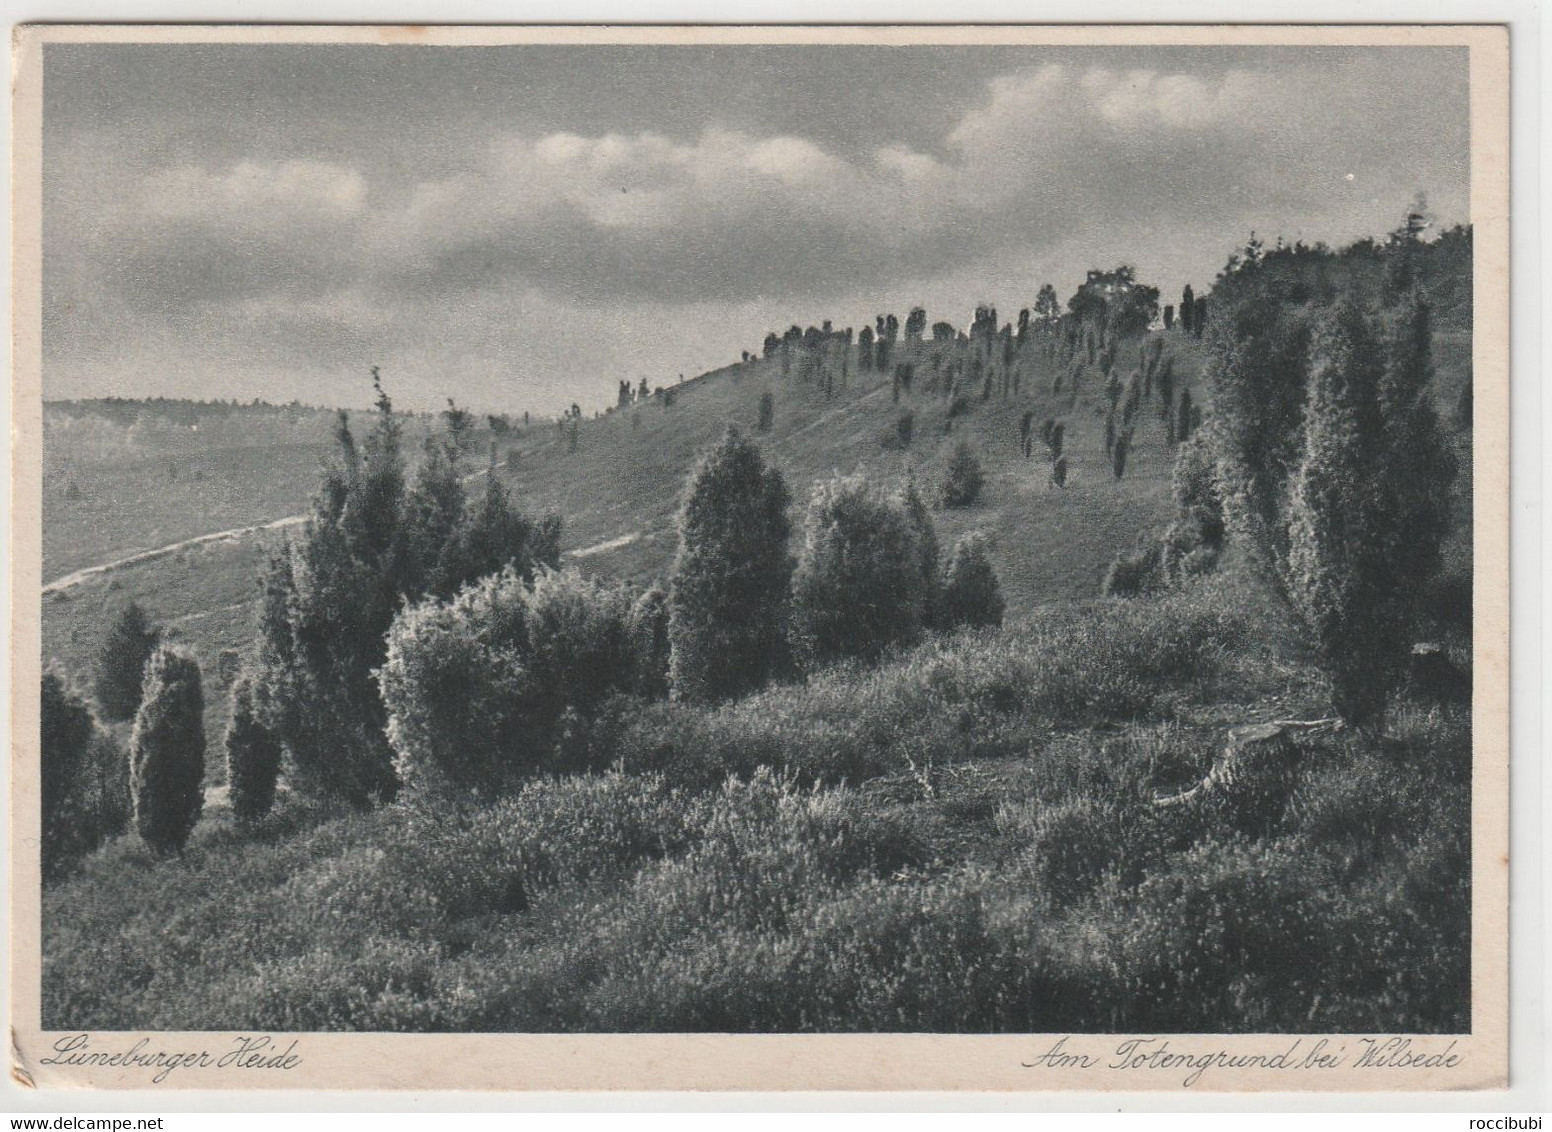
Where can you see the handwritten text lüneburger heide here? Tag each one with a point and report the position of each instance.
(258, 1051)
(1141, 1055)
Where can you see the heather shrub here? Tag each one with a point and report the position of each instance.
(1222, 930)
(620, 902)
(437, 864)
(698, 942)
(771, 816)
(854, 725)
(963, 478)
(167, 752)
(1133, 574)
(1248, 911)
(1354, 801)
(859, 587)
(947, 700)
(253, 756)
(811, 737)
(971, 595)
(1035, 889)
(374, 540)
(929, 948)
(1248, 936)
(481, 690)
(1069, 846)
(727, 597)
(1130, 767)
(585, 828)
(353, 923)
(617, 903)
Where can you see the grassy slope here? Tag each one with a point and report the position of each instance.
(623, 483)
(969, 877)
(114, 486)
(619, 491)
(1050, 545)
(995, 865)
(144, 488)
(133, 506)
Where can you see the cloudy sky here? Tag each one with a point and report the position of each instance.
(520, 227)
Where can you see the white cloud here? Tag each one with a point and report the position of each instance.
(296, 257)
(727, 212)
(255, 193)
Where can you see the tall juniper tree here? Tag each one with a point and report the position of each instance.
(167, 752)
(1419, 464)
(729, 587)
(1336, 574)
(1368, 500)
(860, 582)
(329, 597)
(1255, 375)
(131, 640)
(253, 756)
(66, 732)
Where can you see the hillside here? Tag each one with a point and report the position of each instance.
(1092, 814)
(988, 855)
(618, 492)
(123, 479)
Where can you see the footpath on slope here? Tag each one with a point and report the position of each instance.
(233, 534)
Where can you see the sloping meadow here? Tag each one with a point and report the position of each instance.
(965, 838)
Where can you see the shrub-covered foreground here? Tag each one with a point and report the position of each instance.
(962, 839)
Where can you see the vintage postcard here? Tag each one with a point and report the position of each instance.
(870, 558)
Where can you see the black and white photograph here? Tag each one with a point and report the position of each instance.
(551, 534)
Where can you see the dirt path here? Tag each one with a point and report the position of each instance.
(826, 418)
(59, 585)
(71, 580)
(606, 545)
